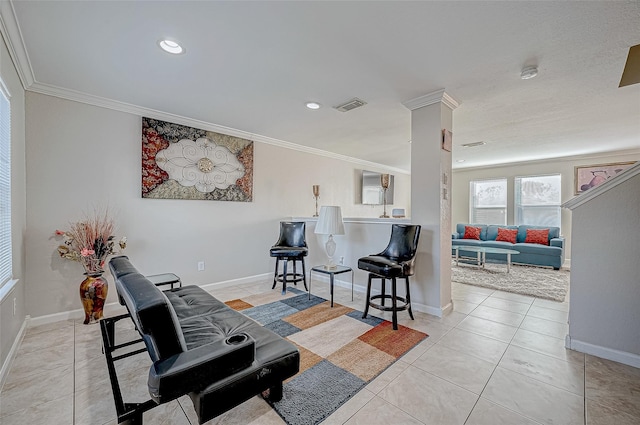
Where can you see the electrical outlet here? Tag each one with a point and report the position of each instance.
(200, 266)
(342, 260)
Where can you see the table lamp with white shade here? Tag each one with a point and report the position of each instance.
(330, 223)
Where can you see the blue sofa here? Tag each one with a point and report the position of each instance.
(530, 253)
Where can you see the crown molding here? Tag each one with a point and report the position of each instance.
(569, 158)
(432, 99)
(102, 102)
(10, 30)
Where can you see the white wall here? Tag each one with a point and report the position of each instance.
(605, 275)
(10, 323)
(462, 177)
(79, 156)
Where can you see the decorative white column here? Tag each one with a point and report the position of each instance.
(431, 200)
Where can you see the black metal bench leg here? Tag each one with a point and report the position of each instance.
(136, 419)
(366, 306)
(274, 393)
(110, 329)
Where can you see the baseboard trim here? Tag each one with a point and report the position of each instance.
(623, 357)
(115, 308)
(423, 308)
(111, 309)
(6, 366)
(242, 280)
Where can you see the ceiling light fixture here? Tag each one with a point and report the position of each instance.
(529, 72)
(313, 105)
(460, 160)
(171, 46)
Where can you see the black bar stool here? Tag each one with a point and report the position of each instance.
(396, 261)
(291, 246)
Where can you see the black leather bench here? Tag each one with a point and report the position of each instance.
(199, 346)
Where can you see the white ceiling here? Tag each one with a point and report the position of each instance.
(252, 66)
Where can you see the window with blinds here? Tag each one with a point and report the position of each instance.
(538, 200)
(5, 189)
(488, 201)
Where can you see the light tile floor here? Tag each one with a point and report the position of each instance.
(497, 358)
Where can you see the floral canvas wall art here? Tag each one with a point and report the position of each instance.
(180, 162)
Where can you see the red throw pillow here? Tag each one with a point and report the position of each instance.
(471, 232)
(540, 236)
(507, 235)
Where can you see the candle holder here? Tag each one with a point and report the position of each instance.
(316, 194)
(384, 182)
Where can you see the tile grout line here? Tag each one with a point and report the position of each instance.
(509, 345)
(492, 373)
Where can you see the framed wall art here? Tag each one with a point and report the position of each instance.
(180, 162)
(590, 176)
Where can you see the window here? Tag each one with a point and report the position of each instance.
(488, 203)
(538, 200)
(5, 189)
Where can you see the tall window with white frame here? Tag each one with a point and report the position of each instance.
(538, 199)
(488, 201)
(5, 188)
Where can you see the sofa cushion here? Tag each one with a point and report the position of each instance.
(460, 230)
(467, 242)
(498, 244)
(554, 232)
(534, 248)
(492, 231)
(539, 236)
(507, 235)
(471, 232)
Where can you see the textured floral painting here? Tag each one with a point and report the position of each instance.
(180, 162)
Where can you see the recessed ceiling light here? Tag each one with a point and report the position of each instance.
(529, 72)
(460, 160)
(313, 105)
(171, 46)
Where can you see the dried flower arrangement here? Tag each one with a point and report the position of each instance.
(90, 242)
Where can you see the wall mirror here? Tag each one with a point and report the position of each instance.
(372, 191)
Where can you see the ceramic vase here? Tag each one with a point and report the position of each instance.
(93, 293)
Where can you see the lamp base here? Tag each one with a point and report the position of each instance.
(330, 246)
(384, 216)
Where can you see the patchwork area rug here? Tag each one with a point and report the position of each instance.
(339, 351)
(526, 280)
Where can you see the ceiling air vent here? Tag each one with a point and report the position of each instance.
(352, 104)
(474, 144)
